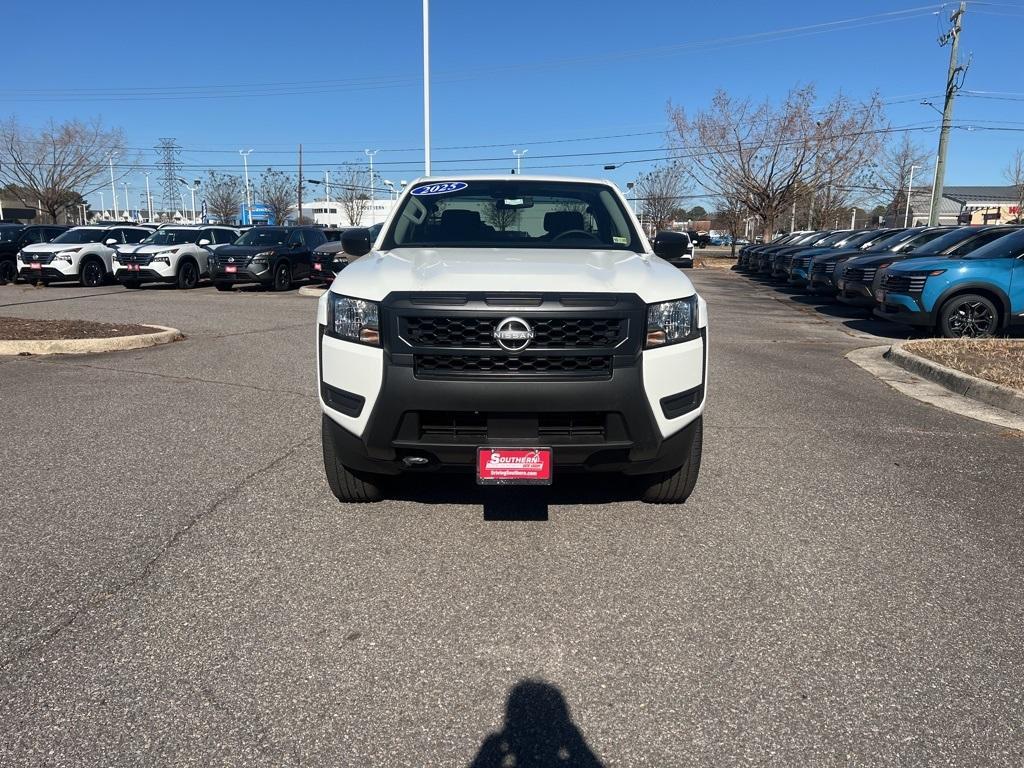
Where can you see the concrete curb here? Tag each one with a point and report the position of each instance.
(986, 392)
(165, 335)
(312, 291)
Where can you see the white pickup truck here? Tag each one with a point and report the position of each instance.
(512, 328)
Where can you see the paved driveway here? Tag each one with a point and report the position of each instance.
(180, 588)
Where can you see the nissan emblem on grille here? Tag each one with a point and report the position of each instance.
(513, 334)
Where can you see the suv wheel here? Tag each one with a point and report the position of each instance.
(188, 275)
(346, 485)
(676, 486)
(282, 277)
(8, 272)
(93, 274)
(969, 316)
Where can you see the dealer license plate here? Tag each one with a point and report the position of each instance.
(36, 265)
(133, 267)
(513, 466)
(230, 268)
(318, 267)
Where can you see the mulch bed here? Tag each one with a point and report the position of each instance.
(17, 329)
(997, 360)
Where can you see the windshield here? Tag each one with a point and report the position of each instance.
(81, 236)
(894, 240)
(513, 213)
(1006, 247)
(172, 237)
(264, 236)
(833, 239)
(944, 241)
(9, 233)
(859, 238)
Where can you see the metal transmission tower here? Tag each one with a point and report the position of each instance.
(170, 171)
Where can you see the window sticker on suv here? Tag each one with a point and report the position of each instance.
(440, 189)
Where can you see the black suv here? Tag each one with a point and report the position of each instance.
(329, 259)
(275, 257)
(14, 237)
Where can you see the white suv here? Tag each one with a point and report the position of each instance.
(83, 254)
(178, 255)
(510, 328)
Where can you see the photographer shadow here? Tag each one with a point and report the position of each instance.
(538, 732)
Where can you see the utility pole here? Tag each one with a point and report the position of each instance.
(952, 86)
(792, 218)
(113, 187)
(149, 198)
(299, 219)
(426, 87)
(247, 219)
(910, 191)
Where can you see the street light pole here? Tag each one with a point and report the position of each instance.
(373, 191)
(149, 198)
(127, 205)
(113, 187)
(248, 197)
(910, 190)
(519, 158)
(103, 205)
(426, 87)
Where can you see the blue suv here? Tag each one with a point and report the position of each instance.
(976, 295)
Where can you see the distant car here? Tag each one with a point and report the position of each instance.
(782, 260)
(821, 271)
(178, 255)
(14, 237)
(275, 257)
(82, 254)
(977, 295)
(799, 266)
(329, 259)
(855, 278)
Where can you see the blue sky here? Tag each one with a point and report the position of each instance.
(549, 77)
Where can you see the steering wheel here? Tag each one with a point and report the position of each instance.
(576, 232)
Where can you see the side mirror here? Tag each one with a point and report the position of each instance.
(204, 242)
(356, 242)
(671, 245)
(111, 241)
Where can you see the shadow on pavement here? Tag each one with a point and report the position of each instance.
(538, 733)
(524, 503)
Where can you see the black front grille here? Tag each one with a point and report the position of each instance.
(478, 332)
(441, 365)
(476, 427)
(143, 259)
(904, 283)
(861, 275)
(37, 258)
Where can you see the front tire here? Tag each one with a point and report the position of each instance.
(93, 274)
(968, 316)
(675, 487)
(282, 277)
(8, 272)
(347, 486)
(188, 275)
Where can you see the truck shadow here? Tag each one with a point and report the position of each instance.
(538, 732)
(524, 503)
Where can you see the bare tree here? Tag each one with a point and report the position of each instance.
(766, 154)
(891, 175)
(1014, 173)
(354, 193)
(659, 193)
(500, 216)
(56, 166)
(278, 194)
(225, 194)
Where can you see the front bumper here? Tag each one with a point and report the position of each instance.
(798, 276)
(142, 275)
(902, 308)
(244, 275)
(380, 413)
(855, 294)
(53, 271)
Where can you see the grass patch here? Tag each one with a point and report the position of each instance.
(18, 329)
(1000, 361)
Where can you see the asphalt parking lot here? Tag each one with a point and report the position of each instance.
(180, 587)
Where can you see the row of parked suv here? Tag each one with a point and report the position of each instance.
(958, 281)
(277, 257)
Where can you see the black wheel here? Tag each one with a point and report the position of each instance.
(283, 277)
(222, 286)
(968, 316)
(131, 284)
(188, 275)
(676, 486)
(93, 274)
(347, 486)
(8, 272)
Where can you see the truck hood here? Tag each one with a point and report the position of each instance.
(526, 270)
(150, 248)
(924, 263)
(56, 247)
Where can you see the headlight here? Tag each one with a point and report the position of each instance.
(353, 319)
(66, 255)
(671, 322)
(162, 259)
(263, 256)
